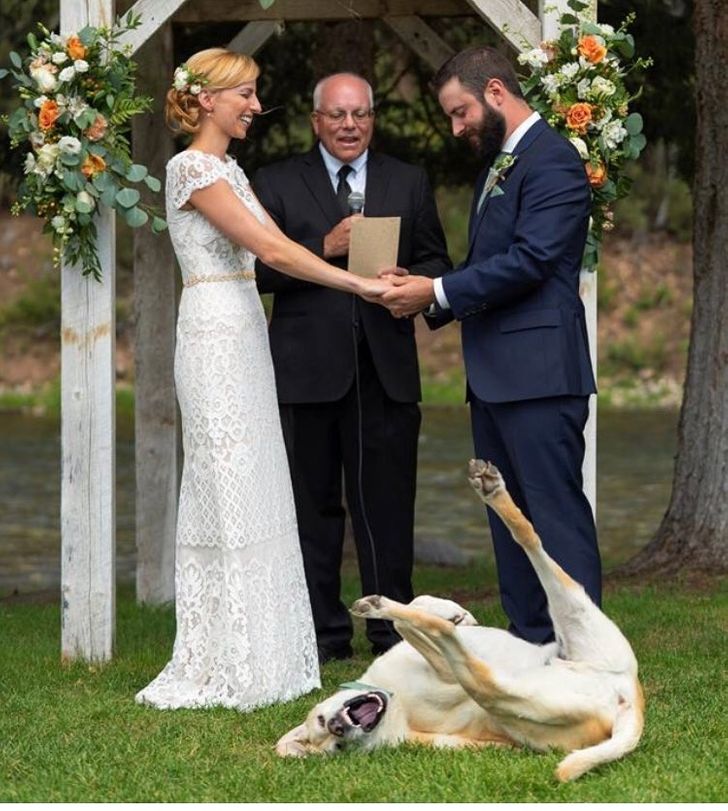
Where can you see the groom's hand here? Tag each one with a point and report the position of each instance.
(408, 295)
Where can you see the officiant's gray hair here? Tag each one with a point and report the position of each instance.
(319, 89)
(474, 68)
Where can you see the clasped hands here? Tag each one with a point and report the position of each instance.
(403, 295)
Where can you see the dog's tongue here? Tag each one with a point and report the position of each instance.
(365, 714)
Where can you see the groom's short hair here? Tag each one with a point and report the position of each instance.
(474, 68)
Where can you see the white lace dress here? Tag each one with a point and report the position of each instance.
(245, 635)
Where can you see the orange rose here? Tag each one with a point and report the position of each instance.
(75, 48)
(48, 114)
(98, 129)
(590, 48)
(579, 116)
(597, 174)
(93, 165)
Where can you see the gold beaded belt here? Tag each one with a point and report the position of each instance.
(220, 277)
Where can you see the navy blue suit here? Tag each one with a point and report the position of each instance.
(527, 362)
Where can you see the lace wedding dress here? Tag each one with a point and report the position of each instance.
(245, 635)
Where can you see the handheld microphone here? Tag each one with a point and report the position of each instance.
(355, 201)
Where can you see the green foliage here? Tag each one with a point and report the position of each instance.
(38, 306)
(73, 733)
(635, 355)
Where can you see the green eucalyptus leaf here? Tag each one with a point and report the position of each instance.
(569, 19)
(135, 217)
(68, 159)
(102, 181)
(4, 72)
(83, 207)
(127, 198)
(70, 181)
(591, 28)
(108, 196)
(638, 142)
(152, 183)
(16, 60)
(136, 173)
(633, 123)
(158, 225)
(266, 4)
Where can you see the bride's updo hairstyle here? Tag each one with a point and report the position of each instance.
(212, 69)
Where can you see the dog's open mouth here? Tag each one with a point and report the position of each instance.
(366, 710)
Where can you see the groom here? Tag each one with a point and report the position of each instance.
(523, 324)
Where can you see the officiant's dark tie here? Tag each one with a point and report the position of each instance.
(343, 189)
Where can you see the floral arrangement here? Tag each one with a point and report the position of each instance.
(577, 84)
(77, 100)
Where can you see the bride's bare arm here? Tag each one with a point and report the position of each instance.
(219, 204)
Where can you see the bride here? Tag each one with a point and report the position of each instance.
(245, 635)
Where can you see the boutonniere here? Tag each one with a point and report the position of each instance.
(497, 173)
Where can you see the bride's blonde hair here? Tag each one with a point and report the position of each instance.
(218, 69)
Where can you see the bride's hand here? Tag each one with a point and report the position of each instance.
(372, 289)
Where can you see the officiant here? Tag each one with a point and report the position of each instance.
(346, 371)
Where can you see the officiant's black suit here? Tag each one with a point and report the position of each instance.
(318, 337)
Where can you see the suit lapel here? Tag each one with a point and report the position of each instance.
(476, 217)
(377, 186)
(316, 177)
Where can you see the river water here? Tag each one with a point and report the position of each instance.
(635, 458)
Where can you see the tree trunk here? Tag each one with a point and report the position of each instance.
(694, 530)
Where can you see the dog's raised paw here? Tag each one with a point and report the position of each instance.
(367, 606)
(485, 478)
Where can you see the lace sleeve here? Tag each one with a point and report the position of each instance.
(189, 171)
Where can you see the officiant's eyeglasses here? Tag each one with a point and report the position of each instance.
(338, 116)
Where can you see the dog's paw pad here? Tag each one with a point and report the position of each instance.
(367, 606)
(484, 478)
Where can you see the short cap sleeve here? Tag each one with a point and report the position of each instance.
(189, 171)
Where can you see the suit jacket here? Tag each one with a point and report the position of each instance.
(311, 332)
(517, 293)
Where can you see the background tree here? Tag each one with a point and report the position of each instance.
(694, 531)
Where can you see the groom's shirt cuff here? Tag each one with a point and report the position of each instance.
(440, 297)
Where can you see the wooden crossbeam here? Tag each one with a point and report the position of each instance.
(425, 42)
(512, 20)
(154, 13)
(252, 38)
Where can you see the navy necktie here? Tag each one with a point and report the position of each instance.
(343, 189)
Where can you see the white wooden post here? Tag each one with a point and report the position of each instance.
(549, 12)
(88, 515)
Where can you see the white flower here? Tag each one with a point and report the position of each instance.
(59, 40)
(180, 79)
(569, 70)
(85, 197)
(46, 161)
(535, 58)
(582, 88)
(580, 146)
(602, 87)
(81, 65)
(59, 223)
(44, 78)
(76, 105)
(69, 145)
(40, 101)
(67, 74)
(29, 164)
(585, 64)
(195, 89)
(607, 30)
(605, 119)
(614, 133)
(36, 138)
(551, 83)
(59, 57)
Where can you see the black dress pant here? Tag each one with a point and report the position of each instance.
(538, 446)
(373, 440)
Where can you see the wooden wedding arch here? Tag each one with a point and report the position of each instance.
(88, 516)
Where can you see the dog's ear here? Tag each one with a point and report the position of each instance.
(293, 743)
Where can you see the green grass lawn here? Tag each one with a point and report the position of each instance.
(74, 734)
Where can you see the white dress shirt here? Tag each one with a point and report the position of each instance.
(357, 178)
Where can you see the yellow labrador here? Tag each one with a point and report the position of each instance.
(452, 683)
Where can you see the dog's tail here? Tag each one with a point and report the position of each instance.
(626, 734)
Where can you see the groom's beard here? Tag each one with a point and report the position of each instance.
(487, 138)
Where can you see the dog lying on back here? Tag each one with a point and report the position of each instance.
(452, 683)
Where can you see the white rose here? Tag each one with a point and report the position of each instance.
(603, 87)
(180, 79)
(67, 74)
(570, 69)
(69, 145)
(47, 156)
(195, 89)
(44, 78)
(59, 57)
(85, 197)
(81, 65)
(580, 146)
